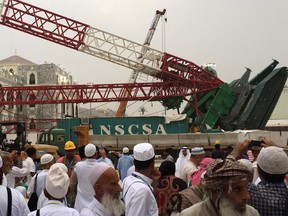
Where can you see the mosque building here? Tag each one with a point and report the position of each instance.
(18, 71)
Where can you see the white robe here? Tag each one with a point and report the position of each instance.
(95, 208)
(19, 204)
(85, 191)
(138, 196)
(55, 208)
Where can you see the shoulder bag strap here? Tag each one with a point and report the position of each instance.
(129, 187)
(35, 183)
(9, 207)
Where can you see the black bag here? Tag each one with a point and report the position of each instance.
(33, 200)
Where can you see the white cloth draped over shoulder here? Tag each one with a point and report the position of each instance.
(181, 161)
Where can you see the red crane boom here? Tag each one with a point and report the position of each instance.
(54, 94)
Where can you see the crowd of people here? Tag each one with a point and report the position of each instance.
(195, 183)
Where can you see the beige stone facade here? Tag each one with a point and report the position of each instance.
(17, 71)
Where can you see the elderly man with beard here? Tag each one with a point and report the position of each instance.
(106, 202)
(18, 204)
(225, 184)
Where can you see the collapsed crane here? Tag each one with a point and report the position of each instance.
(171, 71)
(211, 100)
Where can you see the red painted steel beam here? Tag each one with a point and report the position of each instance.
(44, 24)
(180, 68)
(21, 95)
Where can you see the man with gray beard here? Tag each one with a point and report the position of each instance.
(106, 202)
(225, 185)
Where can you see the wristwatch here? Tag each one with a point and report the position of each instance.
(231, 157)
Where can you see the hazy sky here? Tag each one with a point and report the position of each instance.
(232, 33)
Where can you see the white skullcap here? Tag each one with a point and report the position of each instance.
(46, 158)
(197, 151)
(246, 163)
(143, 152)
(97, 171)
(125, 150)
(273, 160)
(1, 162)
(61, 166)
(22, 190)
(90, 150)
(57, 183)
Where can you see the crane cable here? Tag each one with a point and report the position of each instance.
(164, 20)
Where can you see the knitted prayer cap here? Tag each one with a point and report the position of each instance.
(143, 152)
(90, 150)
(125, 150)
(197, 151)
(273, 160)
(46, 158)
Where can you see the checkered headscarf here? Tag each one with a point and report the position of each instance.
(221, 172)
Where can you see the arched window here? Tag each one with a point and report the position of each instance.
(32, 79)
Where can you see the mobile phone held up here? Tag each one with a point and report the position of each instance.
(255, 143)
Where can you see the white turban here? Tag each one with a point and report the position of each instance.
(57, 183)
(97, 171)
(61, 166)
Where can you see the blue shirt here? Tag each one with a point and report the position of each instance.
(269, 198)
(124, 163)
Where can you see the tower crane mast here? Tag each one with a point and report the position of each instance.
(134, 75)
